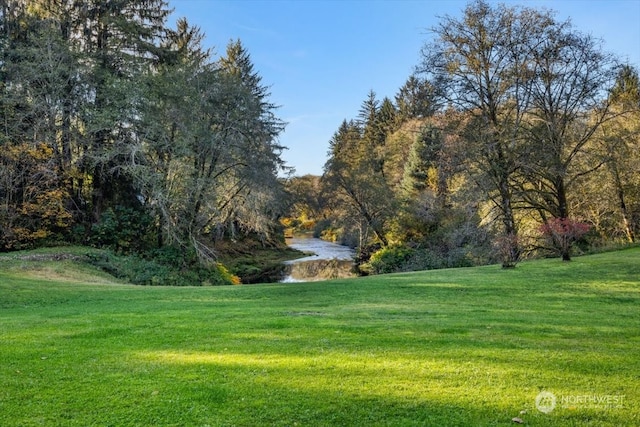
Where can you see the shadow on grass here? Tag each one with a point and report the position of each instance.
(358, 389)
(470, 347)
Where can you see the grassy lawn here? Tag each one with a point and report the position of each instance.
(464, 347)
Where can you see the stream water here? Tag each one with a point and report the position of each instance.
(329, 261)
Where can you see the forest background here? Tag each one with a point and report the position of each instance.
(516, 136)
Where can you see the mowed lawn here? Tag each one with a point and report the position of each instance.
(463, 347)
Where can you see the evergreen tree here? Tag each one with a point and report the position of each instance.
(421, 163)
(211, 152)
(259, 153)
(119, 39)
(368, 120)
(626, 89)
(353, 172)
(416, 98)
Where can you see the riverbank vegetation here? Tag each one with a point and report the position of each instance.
(122, 133)
(470, 346)
(517, 136)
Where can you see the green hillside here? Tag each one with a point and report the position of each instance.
(467, 347)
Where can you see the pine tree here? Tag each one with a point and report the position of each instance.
(421, 162)
(416, 99)
(120, 40)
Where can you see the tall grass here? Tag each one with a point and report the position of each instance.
(460, 347)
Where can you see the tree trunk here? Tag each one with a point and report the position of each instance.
(509, 223)
(628, 229)
(563, 213)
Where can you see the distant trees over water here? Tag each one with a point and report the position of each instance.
(516, 131)
(516, 135)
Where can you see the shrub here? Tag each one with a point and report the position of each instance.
(507, 249)
(161, 272)
(122, 229)
(562, 232)
(33, 205)
(387, 260)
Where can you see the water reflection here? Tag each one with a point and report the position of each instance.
(329, 261)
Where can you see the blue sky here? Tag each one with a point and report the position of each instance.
(322, 57)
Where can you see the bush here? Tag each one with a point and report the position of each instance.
(121, 229)
(563, 232)
(507, 249)
(161, 272)
(387, 260)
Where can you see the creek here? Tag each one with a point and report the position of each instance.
(329, 261)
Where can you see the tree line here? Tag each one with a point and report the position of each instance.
(119, 131)
(517, 135)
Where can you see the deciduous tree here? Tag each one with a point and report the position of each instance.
(481, 59)
(571, 75)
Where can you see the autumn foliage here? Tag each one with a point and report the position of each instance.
(562, 232)
(33, 203)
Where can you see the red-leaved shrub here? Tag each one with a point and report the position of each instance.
(563, 232)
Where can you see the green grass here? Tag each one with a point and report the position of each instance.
(464, 347)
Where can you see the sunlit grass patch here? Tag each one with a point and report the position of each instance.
(455, 347)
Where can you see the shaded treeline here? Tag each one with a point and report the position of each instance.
(119, 131)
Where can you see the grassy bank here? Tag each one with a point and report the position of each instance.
(252, 263)
(449, 347)
(259, 265)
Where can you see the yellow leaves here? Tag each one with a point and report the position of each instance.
(33, 202)
(29, 152)
(227, 275)
(24, 234)
(49, 206)
(287, 222)
(432, 178)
